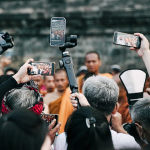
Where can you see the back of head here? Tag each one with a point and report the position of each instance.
(88, 129)
(22, 97)
(10, 71)
(26, 96)
(22, 130)
(140, 113)
(102, 93)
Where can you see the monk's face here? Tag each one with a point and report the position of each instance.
(49, 83)
(61, 81)
(93, 63)
(38, 81)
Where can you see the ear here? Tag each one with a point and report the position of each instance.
(116, 108)
(139, 130)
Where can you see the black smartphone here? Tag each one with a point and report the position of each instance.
(42, 68)
(50, 117)
(126, 39)
(57, 31)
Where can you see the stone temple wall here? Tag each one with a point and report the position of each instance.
(93, 21)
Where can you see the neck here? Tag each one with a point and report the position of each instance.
(50, 90)
(61, 92)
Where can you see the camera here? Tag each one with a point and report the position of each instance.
(6, 42)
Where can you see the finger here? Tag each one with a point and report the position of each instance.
(35, 76)
(52, 125)
(72, 98)
(134, 49)
(73, 101)
(140, 35)
(29, 66)
(29, 60)
(57, 128)
(75, 94)
(74, 105)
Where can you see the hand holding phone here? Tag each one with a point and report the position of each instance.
(127, 39)
(144, 45)
(50, 117)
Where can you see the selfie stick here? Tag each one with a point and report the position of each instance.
(67, 64)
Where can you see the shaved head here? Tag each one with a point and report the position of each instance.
(61, 80)
(58, 71)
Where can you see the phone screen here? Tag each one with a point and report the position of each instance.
(57, 31)
(50, 117)
(42, 68)
(127, 39)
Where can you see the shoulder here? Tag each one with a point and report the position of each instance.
(108, 75)
(124, 141)
(61, 142)
(49, 97)
(80, 77)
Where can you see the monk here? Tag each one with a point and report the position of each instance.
(49, 84)
(123, 102)
(93, 63)
(58, 101)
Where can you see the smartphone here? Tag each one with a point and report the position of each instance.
(50, 117)
(42, 68)
(126, 39)
(57, 31)
(2, 41)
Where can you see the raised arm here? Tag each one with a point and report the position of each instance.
(144, 51)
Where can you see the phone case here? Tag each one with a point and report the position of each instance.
(126, 39)
(42, 68)
(57, 31)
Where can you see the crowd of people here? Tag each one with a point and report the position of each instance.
(99, 124)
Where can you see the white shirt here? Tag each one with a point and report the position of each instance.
(120, 141)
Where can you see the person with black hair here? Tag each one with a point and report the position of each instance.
(23, 130)
(88, 129)
(10, 71)
(93, 63)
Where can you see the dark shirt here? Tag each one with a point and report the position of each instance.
(7, 86)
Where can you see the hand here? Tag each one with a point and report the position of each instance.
(21, 76)
(82, 100)
(144, 45)
(116, 122)
(5, 61)
(51, 131)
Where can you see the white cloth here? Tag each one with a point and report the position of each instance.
(121, 141)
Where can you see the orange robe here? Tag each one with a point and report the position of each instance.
(80, 80)
(63, 107)
(124, 111)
